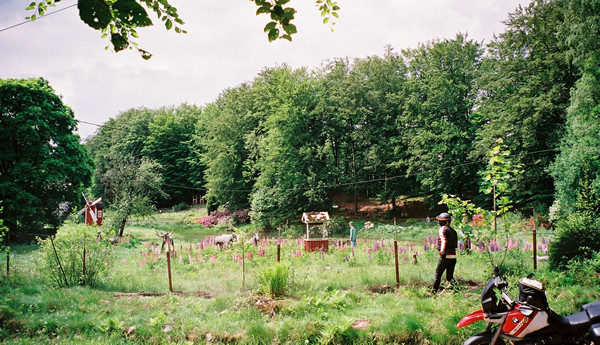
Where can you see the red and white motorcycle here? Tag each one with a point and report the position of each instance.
(529, 321)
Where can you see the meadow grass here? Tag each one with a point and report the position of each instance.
(331, 298)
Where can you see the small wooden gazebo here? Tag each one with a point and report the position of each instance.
(316, 219)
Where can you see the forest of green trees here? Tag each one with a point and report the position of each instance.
(415, 122)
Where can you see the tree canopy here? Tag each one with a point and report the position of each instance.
(43, 166)
(419, 122)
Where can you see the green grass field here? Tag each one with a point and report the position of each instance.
(218, 298)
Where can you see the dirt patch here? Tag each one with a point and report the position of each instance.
(267, 306)
(471, 284)
(381, 289)
(373, 208)
(462, 284)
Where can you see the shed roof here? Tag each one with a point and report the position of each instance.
(315, 217)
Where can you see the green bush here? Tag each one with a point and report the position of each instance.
(338, 226)
(69, 244)
(182, 206)
(274, 280)
(578, 239)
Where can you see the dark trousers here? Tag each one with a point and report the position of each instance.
(444, 265)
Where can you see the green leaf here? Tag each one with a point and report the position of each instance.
(289, 13)
(290, 29)
(145, 54)
(326, 20)
(94, 13)
(270, 26)
(168, 24)
(287, 37)
(277, 12)
(273, 35)
(118, 41)
(131, 13)
(264, 9)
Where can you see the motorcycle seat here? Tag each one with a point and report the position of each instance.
(594, 314)
(590, 305)
(577, 323)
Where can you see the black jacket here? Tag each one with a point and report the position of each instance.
(447, 240)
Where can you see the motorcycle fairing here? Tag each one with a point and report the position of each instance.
(475, 316)
(519, 325)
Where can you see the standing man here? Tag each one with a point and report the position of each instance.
(447, 243)
(352, 237)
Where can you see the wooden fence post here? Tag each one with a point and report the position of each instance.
(534, 243)
(396, 255)
(169, 265)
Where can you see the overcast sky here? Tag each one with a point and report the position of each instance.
(225, 46)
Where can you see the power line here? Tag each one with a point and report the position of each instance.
(382, 179)
(31, 20)
(357, 182)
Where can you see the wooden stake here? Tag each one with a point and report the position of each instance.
(83, 262)
(534, 243)
(169, 265)
(58, 260)
(396, 255)
(279, 246)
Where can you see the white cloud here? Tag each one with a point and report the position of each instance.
(225, 46)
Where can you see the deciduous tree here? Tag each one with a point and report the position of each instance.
(133, 185)
(43, 165)
(438, 115)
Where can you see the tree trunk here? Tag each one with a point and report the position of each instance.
(122, 226)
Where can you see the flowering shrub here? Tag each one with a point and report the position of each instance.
(241, 217)
(216, 217)
(208, 221)
(221, 215)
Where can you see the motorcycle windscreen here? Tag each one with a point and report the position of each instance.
(472, 317)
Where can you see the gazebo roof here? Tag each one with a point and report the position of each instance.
(315, 217)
